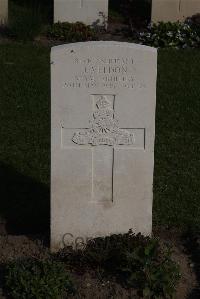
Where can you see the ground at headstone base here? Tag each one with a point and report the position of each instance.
(90, 283)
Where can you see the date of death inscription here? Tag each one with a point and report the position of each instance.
(108, 73)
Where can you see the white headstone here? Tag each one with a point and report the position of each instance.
(173, 10)
(3, 12)
(90, 12)
(103, 128)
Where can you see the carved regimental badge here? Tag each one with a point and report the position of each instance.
(104, 129)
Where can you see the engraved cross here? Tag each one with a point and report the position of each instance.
(103, 137)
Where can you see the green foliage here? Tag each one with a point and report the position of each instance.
(194, 22)
(71, 32)
(152, 271)
(25, 23)
(179, 35)
(137, 261)
(36, 279)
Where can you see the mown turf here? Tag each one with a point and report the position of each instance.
(25, 138)
(177, 150)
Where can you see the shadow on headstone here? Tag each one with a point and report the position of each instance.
(24, 203)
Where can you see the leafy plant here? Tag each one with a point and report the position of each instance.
(137, 261)
(71, 32)
(194, 22)
(151, 271)
(179, 35)
(36, 279)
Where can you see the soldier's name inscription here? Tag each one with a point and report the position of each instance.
(104, 73)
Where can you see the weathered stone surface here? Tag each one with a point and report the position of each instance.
(3, 12)
(103, 123)
(90, 12)
(174, 10)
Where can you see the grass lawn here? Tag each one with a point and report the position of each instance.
(25, 138)
(177, 150)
